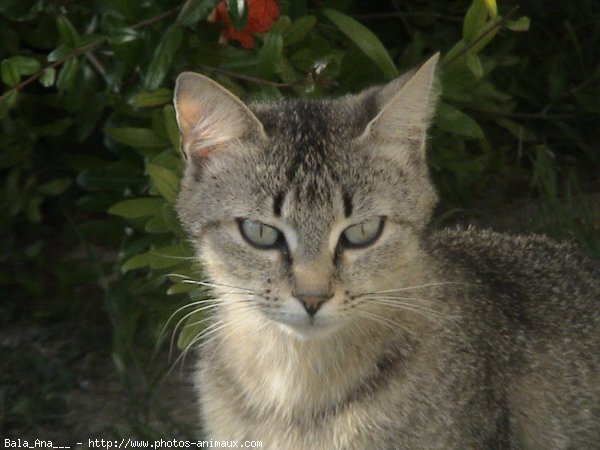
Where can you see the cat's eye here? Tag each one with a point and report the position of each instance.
(363, 234)
(259, 234)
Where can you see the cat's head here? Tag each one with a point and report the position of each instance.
(304, 207)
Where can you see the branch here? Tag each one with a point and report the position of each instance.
(86, 48)
(247, 77)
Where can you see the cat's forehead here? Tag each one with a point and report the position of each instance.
(309, 146)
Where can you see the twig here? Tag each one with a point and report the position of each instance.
(86, 48)
(247, 77)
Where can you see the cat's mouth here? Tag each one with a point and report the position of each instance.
(308, 327)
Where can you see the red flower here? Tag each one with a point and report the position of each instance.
(261, 15)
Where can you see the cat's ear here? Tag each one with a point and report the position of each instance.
(210, 117)
(405, 107)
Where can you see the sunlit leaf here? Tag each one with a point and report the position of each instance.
(48, 77)
(474, 21)
(521, 24)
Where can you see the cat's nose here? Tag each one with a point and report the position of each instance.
(312, 303)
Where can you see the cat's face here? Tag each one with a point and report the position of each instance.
(304, 212)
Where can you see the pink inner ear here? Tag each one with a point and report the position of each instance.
(189, 114)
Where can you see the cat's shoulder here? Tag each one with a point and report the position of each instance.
(524, 258)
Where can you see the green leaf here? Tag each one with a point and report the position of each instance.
(156, 225)
(191, 329)
(181, 288)
(54, 187)
(136, 137)
(145, 99)
(193, 11)
(269, 54)
(66, 31)
(474, 64)
(492, 8)
(454, 121)
(117, 176)
(171, 126)
(364, 39)
(59, 52)
(163, 58)
(48, 77)
(516, 129)
(67, 74)
(8, 101)
(298, 30)
(25, 65)
(281, 25)
(160, 258)
(521, 24)
(474, 20)
(164, 180)
(10, 72)
(137, 207)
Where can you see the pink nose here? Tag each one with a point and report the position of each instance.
(312, 303)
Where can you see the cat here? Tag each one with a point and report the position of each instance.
(339, 321)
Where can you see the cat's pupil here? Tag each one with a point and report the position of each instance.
(363, 234)
(259, 234)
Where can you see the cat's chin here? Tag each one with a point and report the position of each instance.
(306, 331)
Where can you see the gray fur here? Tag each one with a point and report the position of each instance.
(473, 340)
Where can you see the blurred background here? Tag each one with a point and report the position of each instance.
(93, 262)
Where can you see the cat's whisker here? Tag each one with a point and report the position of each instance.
(419, 286)
(423, 311)
(401, 301)
(399, 297)
(214, 285)
(396, 302)
(186, 316)
(379, 319)
(203, 335)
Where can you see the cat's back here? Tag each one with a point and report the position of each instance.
(546, 295)
(548, 277)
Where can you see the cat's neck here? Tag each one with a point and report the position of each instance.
(283, 374)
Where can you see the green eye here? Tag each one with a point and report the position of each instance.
(363, 234)
(258, 234)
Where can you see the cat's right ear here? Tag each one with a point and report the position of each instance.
(210, 117)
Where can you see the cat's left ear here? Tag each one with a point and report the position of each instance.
(405, 107)
(210, 117)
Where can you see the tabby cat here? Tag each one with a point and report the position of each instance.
(338, 320)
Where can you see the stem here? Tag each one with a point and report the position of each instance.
(86, 48)
(247, 77)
